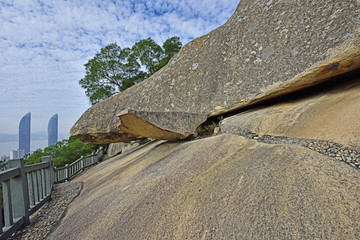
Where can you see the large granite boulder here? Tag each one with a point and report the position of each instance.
(222, 187)
(266, 49)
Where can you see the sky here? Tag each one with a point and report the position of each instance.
(45, 44)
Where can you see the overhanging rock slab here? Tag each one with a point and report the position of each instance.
(160, 125)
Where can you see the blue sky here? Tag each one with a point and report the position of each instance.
(45, 44)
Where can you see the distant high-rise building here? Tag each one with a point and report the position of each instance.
(18, 153)
(53, 130)
(24, 133)
(4, 158)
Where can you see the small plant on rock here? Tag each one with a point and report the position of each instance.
(208, 127)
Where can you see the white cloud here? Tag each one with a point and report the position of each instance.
(44, 44)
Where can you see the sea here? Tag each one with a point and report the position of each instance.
(6, 147)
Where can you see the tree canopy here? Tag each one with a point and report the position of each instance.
(63, 152)
(115, 69)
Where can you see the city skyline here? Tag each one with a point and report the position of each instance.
(17, 153)
(25, 138)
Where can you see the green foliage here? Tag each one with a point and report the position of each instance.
(36, 156)
(63, 152)
(208, 128)
(171, 47)
(149, 54)
(106, 72)
(3, 165)
(114, 69)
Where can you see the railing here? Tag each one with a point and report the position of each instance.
(40, 179)
(68, 171)
(27, 188)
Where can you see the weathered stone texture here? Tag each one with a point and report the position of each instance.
(267, 48)
(222, 187)
(115, 149)
(160, 125)
(332, 116)
(121, 147)
(107, 137)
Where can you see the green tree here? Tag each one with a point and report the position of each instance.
(171, 46)
(35, 157)
(149, 53)
(109, 72)
(114, 69)
(63, 152)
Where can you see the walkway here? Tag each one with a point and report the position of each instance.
(48, 217)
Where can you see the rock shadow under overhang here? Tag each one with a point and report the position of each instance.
(160, 125)
(106, 138)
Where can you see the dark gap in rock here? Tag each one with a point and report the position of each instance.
(207, 127)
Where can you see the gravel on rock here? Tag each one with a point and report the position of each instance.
(45, 220)
(335, 150)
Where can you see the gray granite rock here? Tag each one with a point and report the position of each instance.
(266, 49)
(160, 125)
(121, 147)
(332, 115)
(222, 187)
(115, 149)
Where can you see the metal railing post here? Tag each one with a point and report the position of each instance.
(19, 191)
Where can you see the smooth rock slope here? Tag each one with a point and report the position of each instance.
(266, 49)
(222, 187)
